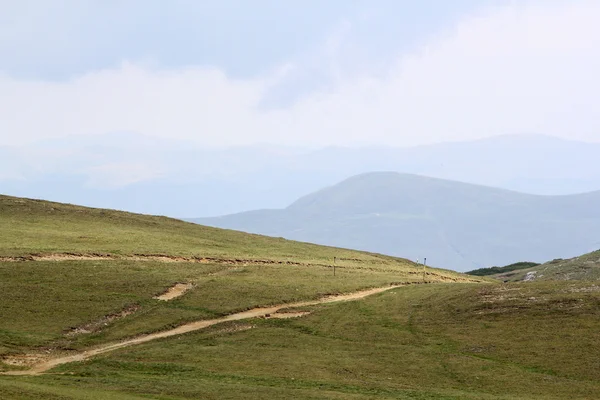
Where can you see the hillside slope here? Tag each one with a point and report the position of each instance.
(35, 226)
(585, 267)
(111, 305)
(453, 224)
(72, 277)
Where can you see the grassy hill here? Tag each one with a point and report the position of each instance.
(75, 280)
(64, 267)
(35, 226)
(585, 267)
(455, 225)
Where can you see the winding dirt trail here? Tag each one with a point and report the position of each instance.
(44, 366)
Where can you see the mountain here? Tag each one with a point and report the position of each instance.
(585, 267)
(452, 224)
(139, 173)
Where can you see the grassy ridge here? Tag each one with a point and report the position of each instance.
(36, 226)
(535, 341)
(585, 267)
(499, 270)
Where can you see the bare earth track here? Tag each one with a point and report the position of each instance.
(208, 260)
(140, 257)
(175, 291)
(264, 312)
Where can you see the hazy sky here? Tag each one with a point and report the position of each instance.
(308, 72)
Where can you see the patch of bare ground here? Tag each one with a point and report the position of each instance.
(149, 257)
(161, 258)
(235, 328)
(58, 257)
(96, 326)
(233, 262)
(177, 290)
(286, 315)
(25, 360)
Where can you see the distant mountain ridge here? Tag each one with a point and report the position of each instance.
(139, 173)
(454, 225)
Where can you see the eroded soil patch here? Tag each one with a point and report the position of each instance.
(148, 257)
(96, 326)
(177, 290)
(25, 360)
(233, 262)
(286, 315)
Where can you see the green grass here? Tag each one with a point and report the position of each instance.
(45, 299)
(35, 226)
(421, 342)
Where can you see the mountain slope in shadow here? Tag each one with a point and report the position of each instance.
(454, 225)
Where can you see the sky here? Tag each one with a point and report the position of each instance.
(299, 72)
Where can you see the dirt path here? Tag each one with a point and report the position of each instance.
(44, 366)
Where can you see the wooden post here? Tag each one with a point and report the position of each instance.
(333, 266)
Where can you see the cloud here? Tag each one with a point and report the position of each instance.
(526, 67)
(54, 40)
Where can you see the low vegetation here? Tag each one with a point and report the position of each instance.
(499, 270)
(585, 267)
(535, 341)
(36, 226)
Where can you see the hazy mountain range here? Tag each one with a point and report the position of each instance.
(454, 225)
(182, 179)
